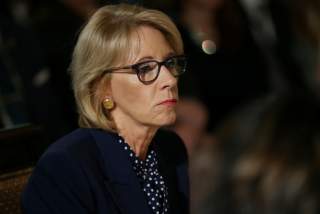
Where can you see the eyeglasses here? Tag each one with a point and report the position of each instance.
(148, 71)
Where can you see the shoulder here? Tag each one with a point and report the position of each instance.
(77, 149)
(72, 140)
(66, 151)
(64, 173)
(77, 143)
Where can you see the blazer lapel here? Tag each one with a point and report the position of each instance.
(167, 170)
(174, 170)
(120, 178)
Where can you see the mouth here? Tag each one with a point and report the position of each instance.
(169, 102)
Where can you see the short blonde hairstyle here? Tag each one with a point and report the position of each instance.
(104, 41)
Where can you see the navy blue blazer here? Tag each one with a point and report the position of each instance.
(87, 171)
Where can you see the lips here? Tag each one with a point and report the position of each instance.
(168, 102)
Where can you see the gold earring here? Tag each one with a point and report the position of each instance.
(108, 103)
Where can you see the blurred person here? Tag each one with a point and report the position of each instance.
(82, 8)
(269, 158)
(226, 67)
(288, 36)
(191, 123)
(226, 71)
(57, 36)
(201, 171)
(306, 43)
(296, 47)
(26, 92)
(125, 70)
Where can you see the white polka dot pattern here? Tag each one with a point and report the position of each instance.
(151, 181)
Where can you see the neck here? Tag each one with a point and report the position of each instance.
(137, 136)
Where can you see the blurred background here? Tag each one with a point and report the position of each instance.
(249, 102)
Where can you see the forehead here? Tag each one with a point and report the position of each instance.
(147, 41)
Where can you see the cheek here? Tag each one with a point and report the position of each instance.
(129, 93)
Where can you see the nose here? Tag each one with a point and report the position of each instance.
(166, 78)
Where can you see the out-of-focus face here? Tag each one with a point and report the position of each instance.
(150, 105)
(209, 4)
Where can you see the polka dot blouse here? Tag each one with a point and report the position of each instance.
(151, 181)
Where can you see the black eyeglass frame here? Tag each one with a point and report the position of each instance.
(135, 69)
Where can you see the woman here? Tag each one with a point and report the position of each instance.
(124, 70)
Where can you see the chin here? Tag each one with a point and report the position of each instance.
(169, 120)
(163, 119)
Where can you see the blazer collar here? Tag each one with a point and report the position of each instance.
(120, 178)
(117, 166)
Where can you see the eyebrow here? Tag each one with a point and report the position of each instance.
(146, 58)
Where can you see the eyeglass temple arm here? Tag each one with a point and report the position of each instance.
(115, 70)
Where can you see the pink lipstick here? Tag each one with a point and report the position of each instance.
(169, 102)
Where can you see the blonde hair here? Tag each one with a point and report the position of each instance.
(104, 41)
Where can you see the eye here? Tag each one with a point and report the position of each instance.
(170, 63)
(146, 67)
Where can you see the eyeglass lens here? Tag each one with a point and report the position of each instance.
(149, 71)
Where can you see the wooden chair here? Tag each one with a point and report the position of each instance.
(11, 186)
(20, 148)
